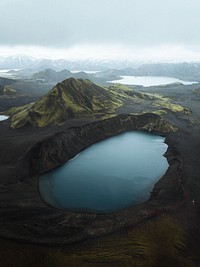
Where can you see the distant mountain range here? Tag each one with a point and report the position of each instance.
(50, 75)
(109, 69)
(185, 70)
(25, 62)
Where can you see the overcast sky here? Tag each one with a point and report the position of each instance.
(101, 28)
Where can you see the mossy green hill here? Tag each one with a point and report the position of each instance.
(70, 98)
(82, 98)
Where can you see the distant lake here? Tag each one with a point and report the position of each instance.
(3, 117)
(147, 81)
(109, 175)
(86, 71)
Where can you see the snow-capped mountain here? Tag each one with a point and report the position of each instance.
(24, 62)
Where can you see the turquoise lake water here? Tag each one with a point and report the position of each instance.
(109, 175)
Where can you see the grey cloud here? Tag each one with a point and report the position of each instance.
(63, 23)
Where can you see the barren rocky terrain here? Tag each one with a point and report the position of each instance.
(26, 222)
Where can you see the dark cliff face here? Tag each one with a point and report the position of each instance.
(63, 146)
